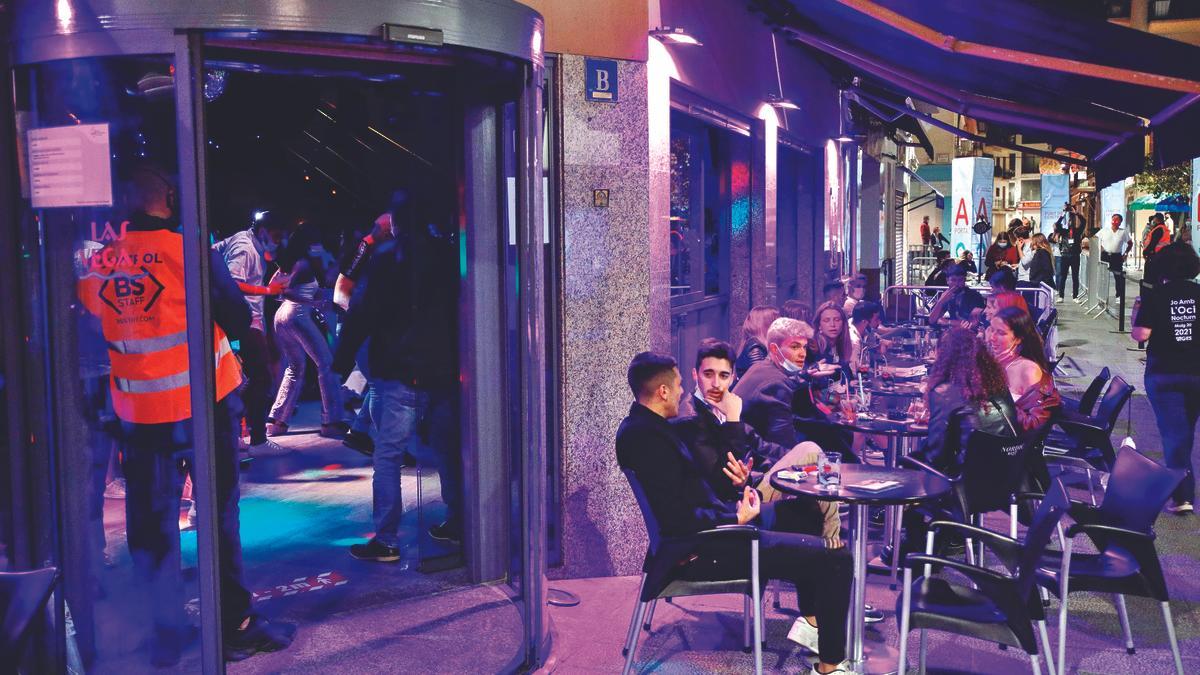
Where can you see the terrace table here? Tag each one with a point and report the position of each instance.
(914, 487)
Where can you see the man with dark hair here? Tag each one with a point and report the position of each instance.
(684, 503)
(957, 302)
(865, 323)
(834, 291)
(1157, 237)
(1069, 232)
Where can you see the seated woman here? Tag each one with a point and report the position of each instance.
(1000, 254)
(966, 391)
(754, 338)
(1013, 340)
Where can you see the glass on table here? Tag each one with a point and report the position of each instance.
(849, 407)
(829, 475)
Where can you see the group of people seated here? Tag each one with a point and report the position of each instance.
(713, 467)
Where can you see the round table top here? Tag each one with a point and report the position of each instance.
(872, 422)
(913, 486)
(880, 386)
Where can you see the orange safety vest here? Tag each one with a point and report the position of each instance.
(1163, 241)
(135, 285)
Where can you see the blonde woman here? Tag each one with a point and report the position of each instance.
(754, 338)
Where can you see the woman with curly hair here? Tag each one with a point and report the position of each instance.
(966, 391)
(1013, 340)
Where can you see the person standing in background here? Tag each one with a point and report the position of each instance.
(925, 231)
(1166, 317)
(1069, 233)
(246, 254)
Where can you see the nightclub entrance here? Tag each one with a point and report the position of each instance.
(299, 137)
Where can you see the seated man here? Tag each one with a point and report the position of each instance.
(958, 304)
(684, 503)
(725, 449)
(776, 391)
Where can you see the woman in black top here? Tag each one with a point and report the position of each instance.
(754, 338)
(1166, 317)
(1041, 268)
(966, 391)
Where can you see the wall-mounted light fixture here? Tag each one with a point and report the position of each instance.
(677, 36)
(780, 103)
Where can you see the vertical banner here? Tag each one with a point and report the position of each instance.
(1194, 216)
(972, 187)
(1056, 191)
(1112, 202)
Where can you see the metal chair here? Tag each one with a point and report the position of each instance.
(660, 576)
(1122, 529)
(22, 596)
(999, 606)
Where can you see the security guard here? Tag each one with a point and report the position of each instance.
(135, 285)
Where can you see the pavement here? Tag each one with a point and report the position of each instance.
(703, 634)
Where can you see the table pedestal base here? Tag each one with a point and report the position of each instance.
(878, 659)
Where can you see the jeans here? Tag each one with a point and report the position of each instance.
(153, 485)
(443, 431)
(299, 339)
(395, 410)
(255, 363)
(1175, 399)
(1068, 263)
(822, 576)
(362, 420)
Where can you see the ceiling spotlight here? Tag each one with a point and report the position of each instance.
(259, 215)
(669, 35)
(781, 103)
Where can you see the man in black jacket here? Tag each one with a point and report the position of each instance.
(414, 373)
(1069, 231)
(683, 503)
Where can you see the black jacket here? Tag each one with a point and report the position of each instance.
(709, 441)
(1069, 235)
(952, 418)
(767, 393)
(1041, 268)
(409, 312)
(752, 352)
(681, 499)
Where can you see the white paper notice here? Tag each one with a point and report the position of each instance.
(70, 166)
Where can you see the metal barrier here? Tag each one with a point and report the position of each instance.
(906, 303)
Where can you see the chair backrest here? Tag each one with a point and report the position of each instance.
(993, 467)
(639, 494)
(1088, 401)
(1037, 537)
(22, 596)
(1138, 487)
(1114, 400)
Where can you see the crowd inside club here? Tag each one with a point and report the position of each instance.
(791, 396)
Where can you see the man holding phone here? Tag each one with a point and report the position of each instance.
(683, 503)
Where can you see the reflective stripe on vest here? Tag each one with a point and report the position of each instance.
(149, 345)
(169, 382)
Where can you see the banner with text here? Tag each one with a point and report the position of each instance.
(1112, 202)
(1056, 190)
(971, 190)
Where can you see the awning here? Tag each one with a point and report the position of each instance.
(1042, 69)
(1164, 203)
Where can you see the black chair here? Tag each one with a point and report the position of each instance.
(995, 468)
(999, 606)
(660, 576)
(22, 596)
(1084, 405)
(1122, 530)
(1088, 445)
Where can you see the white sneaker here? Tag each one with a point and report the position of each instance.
(804, 634)
(843, 668)
(1180, 507)
(268, 448)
